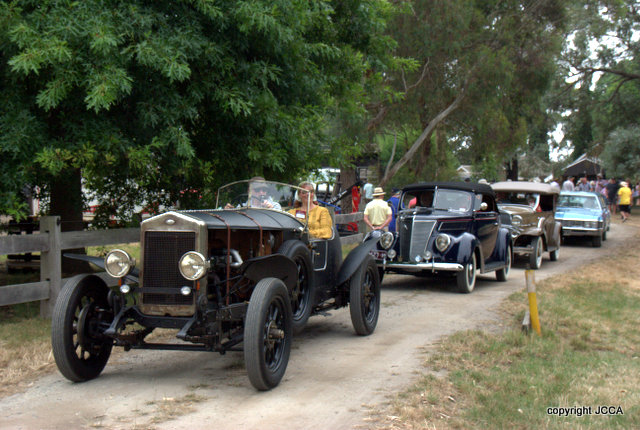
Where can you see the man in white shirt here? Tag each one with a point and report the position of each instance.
(568, 184)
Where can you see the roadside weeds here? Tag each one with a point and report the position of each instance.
(586, 358)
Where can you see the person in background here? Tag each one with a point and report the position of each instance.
(624, 194)
(636, 194)
(568, 184)
(319, 218)
(394, 203)
(600, 184)
(612, 195)
(377, 213)
(583, 185)
(367, 192)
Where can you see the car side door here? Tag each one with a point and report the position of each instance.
(486, 224)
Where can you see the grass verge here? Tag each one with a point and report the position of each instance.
(586, 358)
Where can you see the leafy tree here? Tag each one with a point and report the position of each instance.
(163, 101)
(485, 66)
(598, 90)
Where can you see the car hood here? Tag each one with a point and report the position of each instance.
(515, 209)
(577, 213)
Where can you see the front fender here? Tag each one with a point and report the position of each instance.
(271, 266)
(355, 259)
(464, 245)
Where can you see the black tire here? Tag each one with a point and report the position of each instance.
(554, 255)
(596, 241)
(380, 274)
(80, 316)
(267, 334)
(604, 235)
(302, 295)
(503, 274)
(466, 278)
(364, 297)
(535, 258)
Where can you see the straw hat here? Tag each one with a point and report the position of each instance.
(378, 191)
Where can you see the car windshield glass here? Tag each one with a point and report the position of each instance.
(517, 198)
(453, 201)
(586, 202)
(259, 194)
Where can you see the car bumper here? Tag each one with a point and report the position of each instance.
(581, 231)
(419, 267)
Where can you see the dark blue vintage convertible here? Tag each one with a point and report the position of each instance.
(245, 277)
(445, 229)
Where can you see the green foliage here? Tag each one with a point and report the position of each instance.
(498, 58)
(154, 98)
(622, 152)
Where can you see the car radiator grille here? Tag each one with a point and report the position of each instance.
(414, 237)
(162, 252)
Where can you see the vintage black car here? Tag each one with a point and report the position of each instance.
(244, 278)
(447, 228)
(528, 211)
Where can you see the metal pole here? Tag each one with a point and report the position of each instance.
(533, 302)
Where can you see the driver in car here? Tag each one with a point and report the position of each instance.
(259, 195)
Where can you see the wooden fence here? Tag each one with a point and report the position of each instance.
(50, 242)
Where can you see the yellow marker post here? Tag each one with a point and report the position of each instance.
(533, 303)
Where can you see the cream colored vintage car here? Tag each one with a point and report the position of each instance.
(527, 209)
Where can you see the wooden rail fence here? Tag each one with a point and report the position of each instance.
(50, 242)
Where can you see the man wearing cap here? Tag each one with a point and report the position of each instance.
(377, 213)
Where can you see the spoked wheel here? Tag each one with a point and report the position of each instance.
(466, 278)
(503, 274)
(267, 334)
(302, 298)
(80, 317)
(364, 296)
(535, 258)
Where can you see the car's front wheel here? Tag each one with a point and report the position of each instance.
(364, 297)
(535, 258)
(466, 278)
(80, 317)
(267, 334)
(596, 241)
(503, 274)
(554, 255)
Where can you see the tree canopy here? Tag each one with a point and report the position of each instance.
(154, 99)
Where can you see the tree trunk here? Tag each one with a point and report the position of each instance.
(512, 170)
(426, 133)
(66, 202)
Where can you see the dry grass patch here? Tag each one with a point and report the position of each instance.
(588, 356)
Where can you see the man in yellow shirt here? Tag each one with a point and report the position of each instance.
(624, 194)
(377, 213)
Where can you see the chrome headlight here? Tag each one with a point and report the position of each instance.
(118, 263)
(516, 221)
(442, 242)
(386, 240)
(193, 265)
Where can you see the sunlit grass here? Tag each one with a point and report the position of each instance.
(587, 356)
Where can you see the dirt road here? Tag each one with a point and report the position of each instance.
(333, 379)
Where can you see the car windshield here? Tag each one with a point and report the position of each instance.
(517, 198)
(586, 202)
(438, 199)
(258, 194)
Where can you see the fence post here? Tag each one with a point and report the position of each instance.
(50, 263)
